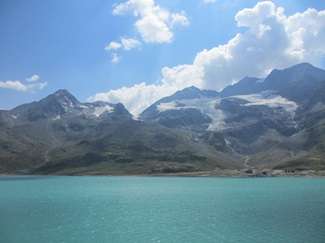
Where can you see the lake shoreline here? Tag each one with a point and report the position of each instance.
(215, 173)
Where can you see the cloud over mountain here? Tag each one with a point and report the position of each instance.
(268, 39)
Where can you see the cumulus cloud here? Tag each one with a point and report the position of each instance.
(15, 85)
(138, 97)
(307, 32)
(154, 23)
(258, 49)
(267, 39)
(33, 84)
(179, 19)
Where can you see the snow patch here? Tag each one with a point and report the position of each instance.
(67, 104)
(167, 106)
(98, 111)
(207, 106)
(217, 116)
(270, 100)
(83, 107)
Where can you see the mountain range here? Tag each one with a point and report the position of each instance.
(271, 123)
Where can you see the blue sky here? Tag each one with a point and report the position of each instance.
(63, 42)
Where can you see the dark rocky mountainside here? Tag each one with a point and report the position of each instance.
(61, 135)
(276, 122)
(272, 122)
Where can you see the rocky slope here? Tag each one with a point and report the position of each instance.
(60, 135)
(276, 122)
(273, 122)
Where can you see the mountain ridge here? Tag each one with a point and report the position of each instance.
(276, 122)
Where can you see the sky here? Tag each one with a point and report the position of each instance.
(138, 51)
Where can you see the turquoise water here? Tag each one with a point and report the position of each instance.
(161, 209)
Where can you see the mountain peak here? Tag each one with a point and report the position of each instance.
(300, 68)
(194, 92)
(303, 65)
(192, 88)
(63, 96)
(246, 85)
(189, 91)
(55, 104)
(296, 74)
(61, 92)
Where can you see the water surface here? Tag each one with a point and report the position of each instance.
(161, 209)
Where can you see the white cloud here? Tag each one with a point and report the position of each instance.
(125, 44)
(33, 84)
(269, 39)
(135, 98)
(33, 78)
(20, 86)
(179, 19)
(154, 24)
(130, 43)
(307, 32)
(138, 97)
(15, 85)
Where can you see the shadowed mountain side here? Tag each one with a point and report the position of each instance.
(270, 121)
(275, 122)
(61, 135)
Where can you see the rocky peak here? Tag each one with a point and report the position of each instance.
(297, 73)
(64, 98)
(246, 85)
(193, 92)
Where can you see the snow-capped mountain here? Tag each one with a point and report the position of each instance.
(63, 104)
(59, 134)
(272, 122)
(255, 117)
(191, 107)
